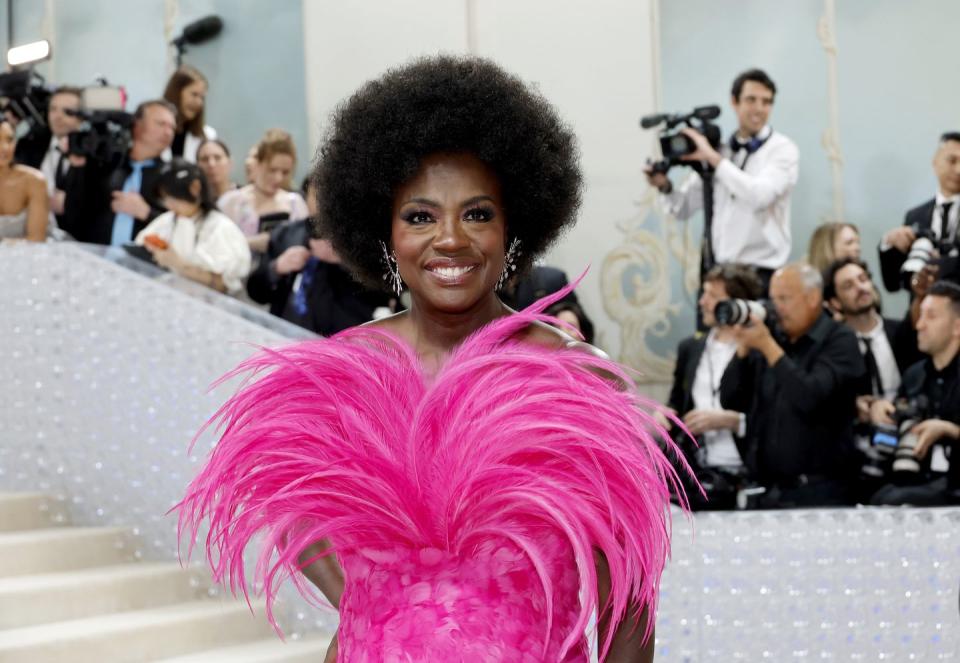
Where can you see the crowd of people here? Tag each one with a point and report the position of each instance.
(802, 393)
(804, 403)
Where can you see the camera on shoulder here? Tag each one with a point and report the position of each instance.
(105, 134)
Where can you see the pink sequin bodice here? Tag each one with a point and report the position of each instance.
(429, 605)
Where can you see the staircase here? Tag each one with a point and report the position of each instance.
(78, 594)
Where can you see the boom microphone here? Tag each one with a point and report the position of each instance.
(200, 30)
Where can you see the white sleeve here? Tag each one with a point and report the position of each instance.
(760, 190)
(686, 199)
(224, 250)
(162, 226)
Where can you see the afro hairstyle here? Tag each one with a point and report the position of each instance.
(456, 104)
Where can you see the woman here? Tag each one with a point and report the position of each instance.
(833, 241)
(187, 90)
(259, 207)
(213, 157)
(196, 240)
(24, 205)
(450, 456)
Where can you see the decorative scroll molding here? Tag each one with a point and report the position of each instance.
(827, 32)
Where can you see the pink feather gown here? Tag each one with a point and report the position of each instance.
(466, 509)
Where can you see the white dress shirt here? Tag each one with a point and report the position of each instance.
(751, 207)
(883, 354)
(936, 223)
(49, 164)
(719, 448)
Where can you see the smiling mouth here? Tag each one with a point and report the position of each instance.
(451, 274)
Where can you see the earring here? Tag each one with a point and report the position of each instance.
(509, 262)
(392, 275)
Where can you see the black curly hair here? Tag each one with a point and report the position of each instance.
(379, 136)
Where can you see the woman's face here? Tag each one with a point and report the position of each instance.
(8, 143)
(273, 173)
(214, 162)
(846, 244)
(192, 98)
(449, 233)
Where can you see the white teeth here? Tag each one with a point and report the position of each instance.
(451, 272)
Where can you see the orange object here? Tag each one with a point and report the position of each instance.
(156, 241)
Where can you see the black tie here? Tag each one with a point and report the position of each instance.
(873, 371)
(945, 229)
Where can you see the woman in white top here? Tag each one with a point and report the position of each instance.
(194, 239)
(24, 205)
(268, 201)
(187, 90)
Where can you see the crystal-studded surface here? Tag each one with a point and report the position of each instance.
(103, 382)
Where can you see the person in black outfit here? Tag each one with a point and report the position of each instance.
(111, 203)
(938, 215)
(300, 278)
(717, 457)
(540, 281)
(798, 389)
(937, 379)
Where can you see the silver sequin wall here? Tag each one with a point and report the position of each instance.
(103, 382)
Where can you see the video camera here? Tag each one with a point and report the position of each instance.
(674, 144)
(105, 134)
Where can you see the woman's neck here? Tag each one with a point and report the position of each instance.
(436, 333)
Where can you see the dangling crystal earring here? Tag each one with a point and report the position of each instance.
(392, 275)
(509, 262)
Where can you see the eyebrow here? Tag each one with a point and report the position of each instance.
(468, 201)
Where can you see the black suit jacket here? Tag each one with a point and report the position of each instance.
(334, 301)
(87, 215)
(891, 260)
(689, 353)
(800, 411)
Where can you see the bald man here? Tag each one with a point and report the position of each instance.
(798, 386)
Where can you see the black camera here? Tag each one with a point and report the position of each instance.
(26, 96)
(675, 145)
(737, 312)
(898, 442)
(104, 136)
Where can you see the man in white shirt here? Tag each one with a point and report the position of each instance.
(55, 163)
(938, 216)
(755, 173)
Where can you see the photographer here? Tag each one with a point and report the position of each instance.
(56, 164)
(798, 389)
(108, 203)
(755, 175)
(701, 361)
(931, 386)
(937, 218)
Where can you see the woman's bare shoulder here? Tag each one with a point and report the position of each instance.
(31, 175)
(540, 333)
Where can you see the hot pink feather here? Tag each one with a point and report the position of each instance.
(466, 509)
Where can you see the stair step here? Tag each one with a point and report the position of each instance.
(25, 511)
(63, 549)
(143, 635)
(311, 650)
(37, 599)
